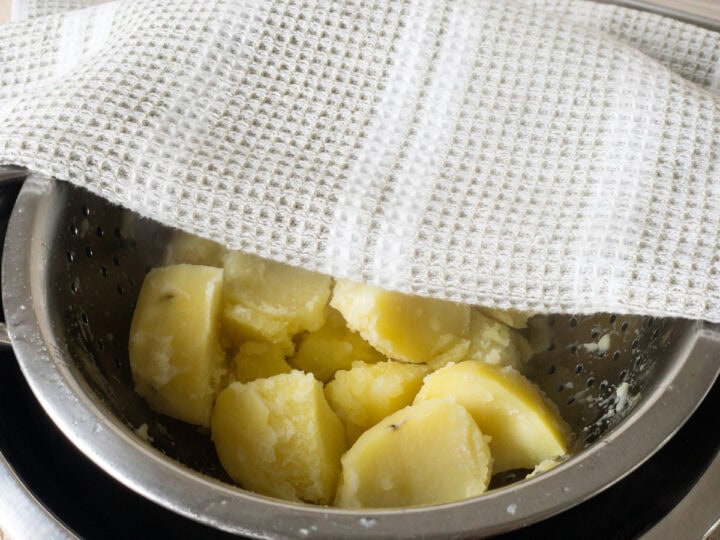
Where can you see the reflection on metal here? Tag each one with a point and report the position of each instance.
(696, 516)
(22, 515)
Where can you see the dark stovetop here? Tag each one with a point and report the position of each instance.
(94, 505)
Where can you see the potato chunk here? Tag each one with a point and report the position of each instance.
(175, 355)
(257, 360)
(270, 301)
(331, 348)
(493, 342)
(367, 393)
(279, 437)
(404, 327)
(524, 426)
(429, 453)
(510, 317)
(185, 248)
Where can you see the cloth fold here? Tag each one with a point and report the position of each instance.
(545, 155)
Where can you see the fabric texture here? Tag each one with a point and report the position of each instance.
(545, 155)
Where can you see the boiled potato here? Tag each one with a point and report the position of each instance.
(332, 347)
(404, 327)
(270, 301)
(429, 453)
(544, 466)
(511, 317)
(185, 248)
(279, 437)
(493, 342)
(257, 360)
(175, 355)
(367, 393)
(525, 428)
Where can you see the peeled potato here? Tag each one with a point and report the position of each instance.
(510, 317)
(270, 301)
(524, 427)
(404, 327)
(429, 453)
(187, 248)
(257, 360)
(331, 348)
(279, 437)
(367, 393)
(493, 342)
(175, 355)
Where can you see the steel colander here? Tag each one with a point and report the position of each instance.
(72, 268)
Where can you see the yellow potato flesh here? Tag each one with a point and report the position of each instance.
(270, 301)
(256, 360)
(331, 348)
(404, 327)
(186, 248)
(367, 393)
(510, 317)
(524, 427)
(175, 355)
(279, 437)
(429, 453)
(493, 342)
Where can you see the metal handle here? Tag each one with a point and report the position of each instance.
(10, 180)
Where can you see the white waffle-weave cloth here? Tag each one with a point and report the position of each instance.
(545, 155)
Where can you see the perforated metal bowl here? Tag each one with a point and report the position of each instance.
(72, 268)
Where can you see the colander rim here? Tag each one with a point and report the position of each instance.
(133, 462)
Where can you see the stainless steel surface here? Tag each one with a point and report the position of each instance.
(699, 12)
(21, 514)
(714, 532)
(696, 516)
(72, 349)
(72, 268)
(9, 176)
